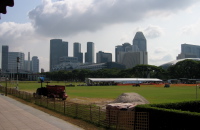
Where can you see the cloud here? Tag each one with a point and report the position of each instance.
(11, 31)
(160, 55)
(161, 59)
(66, 17)
(153, 31)
(192, 29)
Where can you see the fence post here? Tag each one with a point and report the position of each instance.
(90, 113)
(99, 115)
(64, 107)
(76, 110)
(109, 118)
(54, 104)
(47, 102)
(117, 120)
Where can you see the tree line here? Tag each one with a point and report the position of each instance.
(183, 69)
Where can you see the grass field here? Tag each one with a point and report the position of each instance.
(153, 93)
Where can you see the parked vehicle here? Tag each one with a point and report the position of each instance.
(52, 91)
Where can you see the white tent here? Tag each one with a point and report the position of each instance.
(122, 80)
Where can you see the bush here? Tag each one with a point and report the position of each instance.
(172, 115)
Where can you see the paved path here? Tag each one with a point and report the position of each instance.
(17, 116)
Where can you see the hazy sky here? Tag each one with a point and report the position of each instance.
(166, 24)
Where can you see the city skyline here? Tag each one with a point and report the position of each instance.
(108, 23)
(14, 62)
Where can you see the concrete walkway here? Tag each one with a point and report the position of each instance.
(17, 116)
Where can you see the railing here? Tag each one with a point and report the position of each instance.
(110, 119)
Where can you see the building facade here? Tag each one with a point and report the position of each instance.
(140, 41)
(58, 48)
(122, 48)
(102, 57)
(35, 64)
(89, 55)
(77, 52)
(189, 51)
(13, 65)
(4, 59)
(131, 59)
(132, 55)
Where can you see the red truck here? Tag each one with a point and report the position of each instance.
(52, 91)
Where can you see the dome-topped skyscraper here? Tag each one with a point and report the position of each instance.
(140, 41)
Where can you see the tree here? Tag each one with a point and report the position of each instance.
(147, 71)
(185, 69)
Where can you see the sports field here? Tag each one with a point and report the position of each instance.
(153, 93)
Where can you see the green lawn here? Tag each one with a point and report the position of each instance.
(153, 94)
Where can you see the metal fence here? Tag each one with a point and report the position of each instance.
(109, 119)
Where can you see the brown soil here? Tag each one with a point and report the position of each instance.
(96, 101)
(77, 122)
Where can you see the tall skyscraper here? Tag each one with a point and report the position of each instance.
(102, 57)
(132, 55)
(140, 41)
(29, 62)
(131, 59)
(77, 52)
(58, 48)
(35, 64)
(189, 51)
(122, 48)
(13, 65)
(89, 55)
(4, 60)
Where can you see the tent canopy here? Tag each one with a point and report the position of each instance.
(124, 80)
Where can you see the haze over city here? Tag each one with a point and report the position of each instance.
(29, 26)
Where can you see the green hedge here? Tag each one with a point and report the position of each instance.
(172, 116)
(192, 106)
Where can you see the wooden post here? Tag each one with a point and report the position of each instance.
(90, 113)
(47, 102)
(109, 118)
(64, 107)
(54, 104)
(99, 115)
(76, 110)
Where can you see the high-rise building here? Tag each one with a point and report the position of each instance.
(58, 48)
(27, 64)
(140, 41)
(131, 55)
(189, 51)
(102, 57)
(131, 59)
(13, 65)
(77, 52)
(4, 60)
(122, 48)
(35, 64)
(89, 55)
(42, 70)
